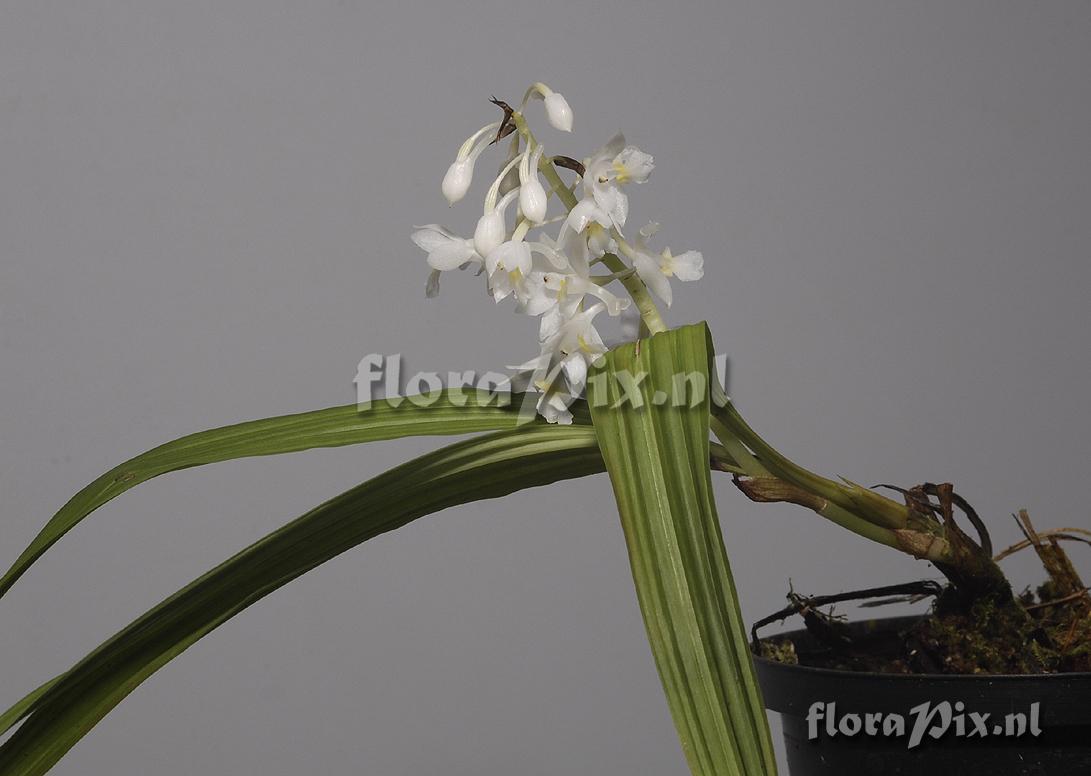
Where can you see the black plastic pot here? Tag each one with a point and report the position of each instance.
(1061, 748)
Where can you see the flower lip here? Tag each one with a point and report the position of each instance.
(632, 164)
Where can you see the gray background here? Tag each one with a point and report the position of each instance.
(204, 210)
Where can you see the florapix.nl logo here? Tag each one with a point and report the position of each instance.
(934, 720)
(383, 376)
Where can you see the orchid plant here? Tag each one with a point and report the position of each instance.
(559, 258)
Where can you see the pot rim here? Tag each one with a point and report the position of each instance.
(833, 673)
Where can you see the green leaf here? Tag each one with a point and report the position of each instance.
(451, 413)
(658, 459)
(21, 709)
(479, 468)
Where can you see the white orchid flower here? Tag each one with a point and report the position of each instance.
(604, 155)
(508, 266)
(570, 290)
(561, 380)
(610, 167)
(598, 182)
(594, 227)
(657, 269)
(576, 334)
(555, 398)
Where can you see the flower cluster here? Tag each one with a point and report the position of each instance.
(557, 279)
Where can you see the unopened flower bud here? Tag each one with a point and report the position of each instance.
(558, 111)
(490, 232)
(532, 201)
(457, 180)
(532, 196)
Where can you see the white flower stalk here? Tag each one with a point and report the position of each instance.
(509, 173)
(461, 172)
(532, 195)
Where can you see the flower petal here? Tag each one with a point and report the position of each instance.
(451, 255)
(575, 372)
(431, 236)
(509, 256)
(632, 164)
(613, 201)
(688, 266)
(647, 267)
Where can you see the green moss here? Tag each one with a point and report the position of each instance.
(990, 638)
(780, 651)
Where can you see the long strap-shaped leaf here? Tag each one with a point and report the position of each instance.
(480, 468)
(24, 706)
(657, 455)
(338, 426)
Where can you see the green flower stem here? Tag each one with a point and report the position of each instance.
(875, 509)
(859, 526)
(751, 465)
(723, 460)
